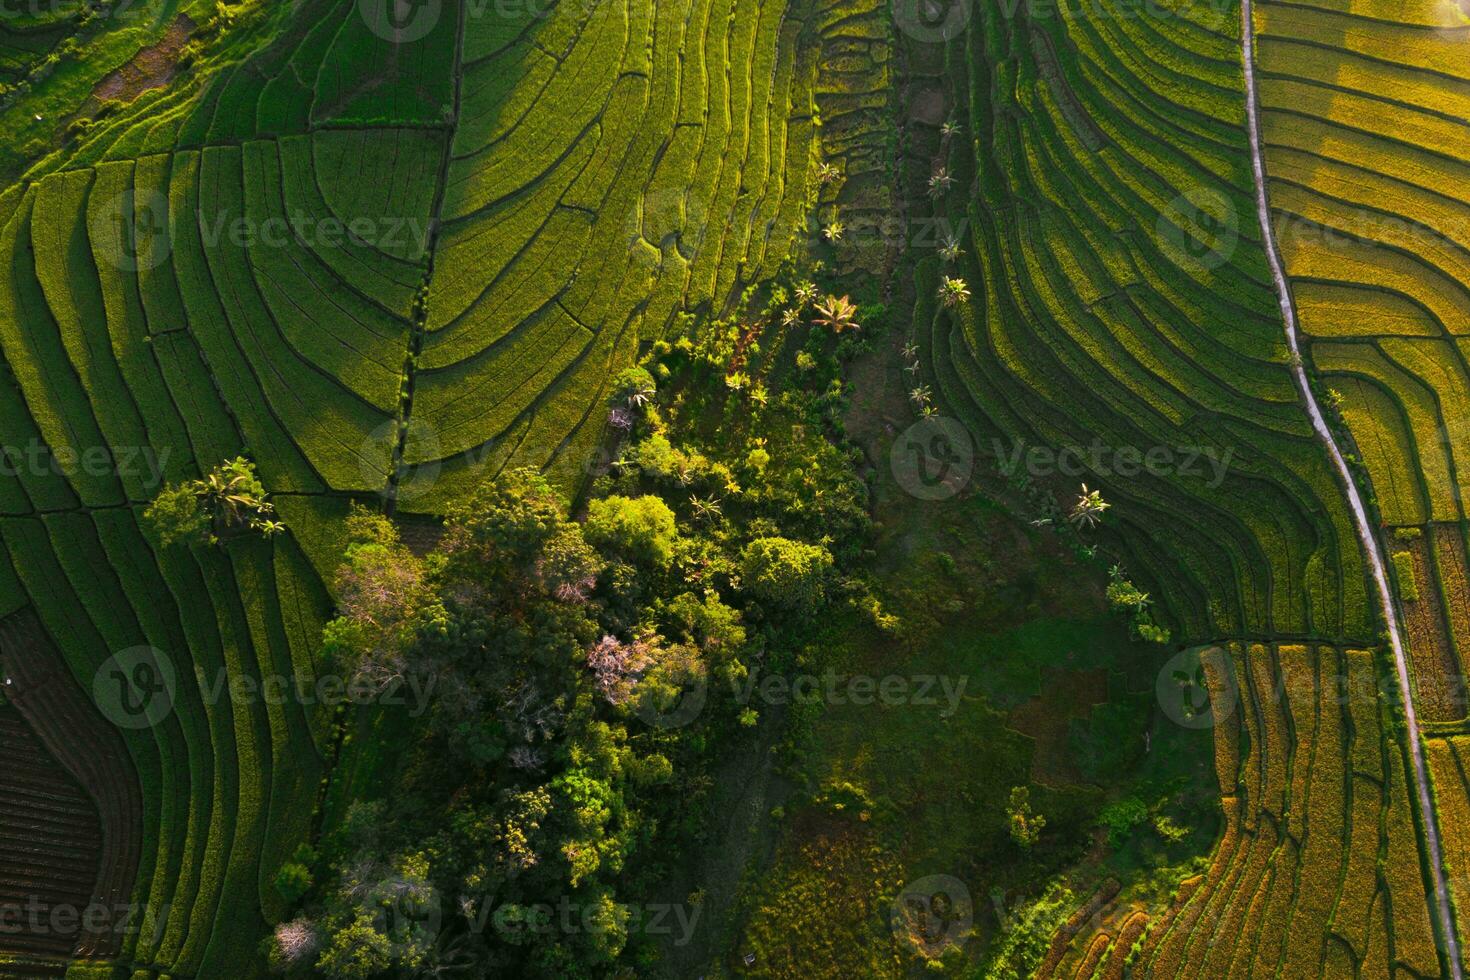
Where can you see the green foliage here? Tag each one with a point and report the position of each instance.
(633, 386)
(1169, 831)
(295, 879)
(1026, 826)
(1028, 935)
(551, 645)
(1126, 598)
(640, 529)
(785, 572)
(176, 515)
(358, 950)
(385, 603)
(1120, 817)
(1403, 569)
(229, 498)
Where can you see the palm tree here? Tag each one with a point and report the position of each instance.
(1088, 509)
(833, 230)
(910, 351)
(837, 312)
(235, 496)
(736, 380)
(912, 367)
(953, 292)
(950, 128)
(950, 250)
(940, 183)
(641, 393)
(806, 292)
(920, 395)
(827, 173)
(790, 317)
(705, 508)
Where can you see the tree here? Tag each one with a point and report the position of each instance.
(640, 529)
(1088, 509)
(1124, 596)
(503, 523)
(357, 951)
(293, 881)
(1026, 826)
(175, 515)
(785, 573)
(953, 292)
(385, 602)
(837, 312)
(294, 944)
(228, 498)
(634, 387)
(616, 665)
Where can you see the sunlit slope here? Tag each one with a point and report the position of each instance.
(1367, 120)
(351, 248)
(1121, 299)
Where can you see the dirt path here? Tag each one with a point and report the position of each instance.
(1372, 547)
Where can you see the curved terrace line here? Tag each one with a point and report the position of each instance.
(1372, 547)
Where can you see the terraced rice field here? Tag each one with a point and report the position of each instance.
(384, 261)
(1122, 295)
(1365, 125)
(1316, 872)
(1091, 148)
(380, 268)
